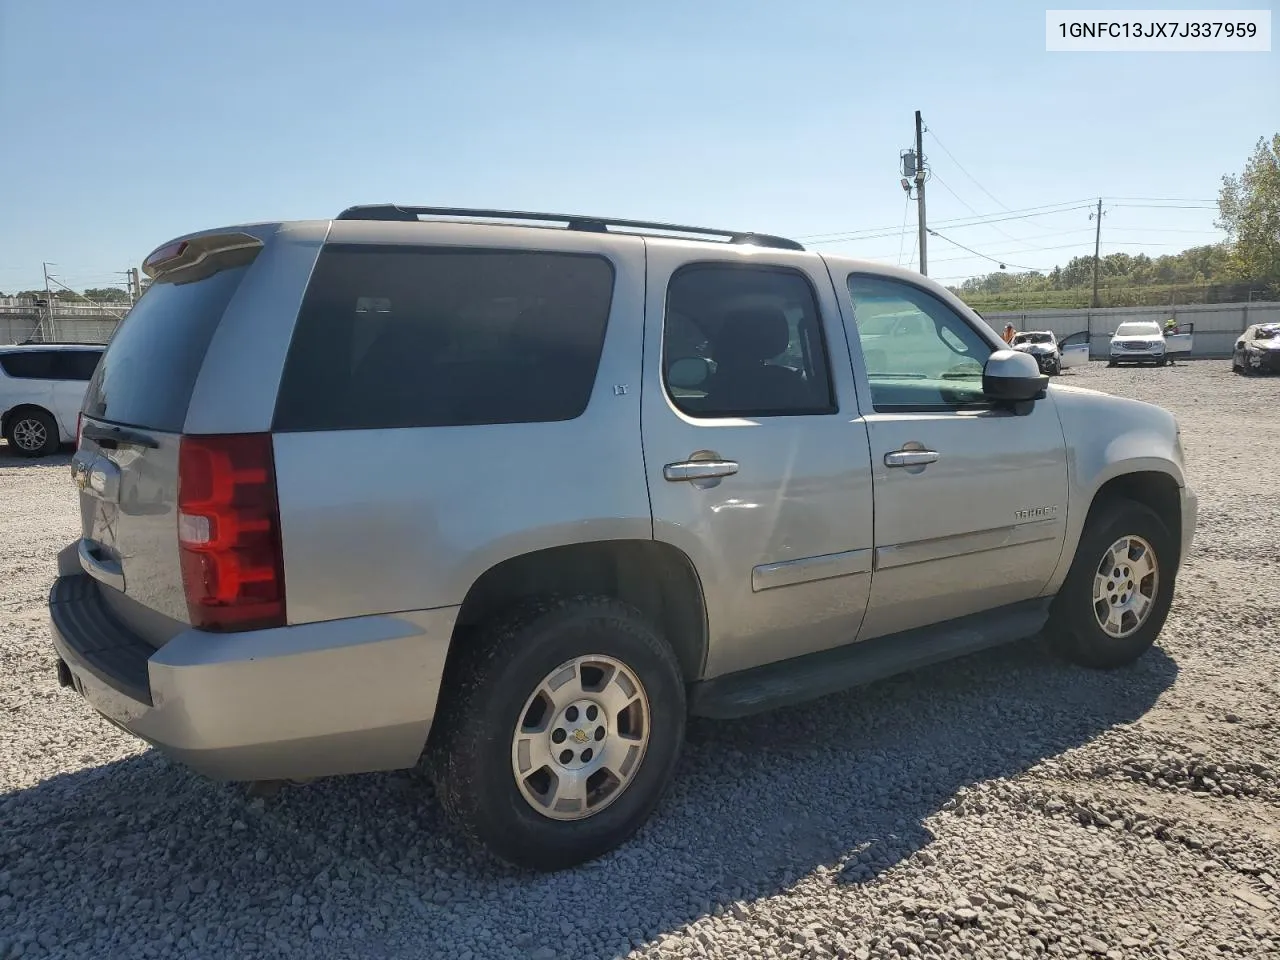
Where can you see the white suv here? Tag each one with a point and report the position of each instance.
(41, 388)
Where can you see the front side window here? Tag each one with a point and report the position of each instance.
(744, 342)
(919, 353)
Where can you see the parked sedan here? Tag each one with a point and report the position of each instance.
(1257, 350)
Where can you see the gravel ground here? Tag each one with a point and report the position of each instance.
(1006, 806)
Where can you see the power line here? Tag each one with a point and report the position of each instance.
(1161, 199)
(951, 225)
(1047, 209)
(1002, 263)
(963, 170)
(902, 237)
(1163, 206)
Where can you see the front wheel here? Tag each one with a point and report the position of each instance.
(561, 731)
(1116, 597)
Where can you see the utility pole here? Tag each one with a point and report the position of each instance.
(48, 300)
(1097, 249)
(924, 259)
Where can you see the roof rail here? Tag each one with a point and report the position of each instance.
(55, 343)
(397, 212)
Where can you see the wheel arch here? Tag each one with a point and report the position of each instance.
(1156, 483)
(656, 578)
(9, 415)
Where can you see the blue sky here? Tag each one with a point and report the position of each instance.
(128, 123)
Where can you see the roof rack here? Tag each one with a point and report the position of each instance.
(397, 212)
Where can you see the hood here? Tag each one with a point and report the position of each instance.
(1138, 338)
(1035, 347)
(1264, 344)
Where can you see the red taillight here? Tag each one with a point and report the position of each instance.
(229, 532)
(170, 251)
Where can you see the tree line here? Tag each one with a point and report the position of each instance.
(1245, 266)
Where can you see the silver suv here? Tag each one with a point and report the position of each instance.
(514, 494)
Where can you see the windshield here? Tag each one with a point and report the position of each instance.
(1138, 330)
(1033, 338)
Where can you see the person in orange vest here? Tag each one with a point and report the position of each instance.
(1008, 333)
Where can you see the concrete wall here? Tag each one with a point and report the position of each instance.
(19, 321)
(1216, 324)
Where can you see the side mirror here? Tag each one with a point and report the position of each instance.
(688, 373)
(1013, 376)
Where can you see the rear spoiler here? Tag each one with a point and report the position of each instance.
(186, 254)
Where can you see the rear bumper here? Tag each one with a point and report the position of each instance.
(344, 696)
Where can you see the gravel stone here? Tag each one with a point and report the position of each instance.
(1002, 807)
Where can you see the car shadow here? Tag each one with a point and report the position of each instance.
(369, 865)
(10, 459)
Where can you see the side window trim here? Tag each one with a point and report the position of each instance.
(832, 407)
(941, 407)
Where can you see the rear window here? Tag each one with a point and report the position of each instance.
(146, 377)
(392, 336)
(27, 364)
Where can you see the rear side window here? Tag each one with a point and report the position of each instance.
(75, 364)
(28, 364)
(392, 336)
(146, 377)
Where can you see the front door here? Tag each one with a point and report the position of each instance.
(1074, 349)
(971, 500)
(755, 452)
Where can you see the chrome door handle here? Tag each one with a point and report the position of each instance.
(699, 470)
(910, 458)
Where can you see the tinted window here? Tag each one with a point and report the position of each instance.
(28, 364)
(424, 337)
(146, 376)
(75, 364)
(927, 357)
(755, 335)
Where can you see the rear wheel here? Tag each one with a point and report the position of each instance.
(561, 733)
(32, 433)
(1116, 597)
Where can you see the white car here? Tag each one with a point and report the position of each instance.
(1145, 341)
(1052, 357)
(41, 388)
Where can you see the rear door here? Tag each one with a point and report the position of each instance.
(1074, 349)
(757, 465)
(135, 411)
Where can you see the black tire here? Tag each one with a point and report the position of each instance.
(24, 424)
(1073, 627)
(1163, 361)
(470, 753)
